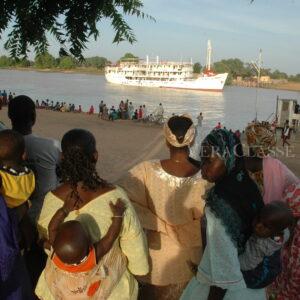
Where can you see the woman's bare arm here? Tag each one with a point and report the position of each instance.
(56, 220)
(106, 243)
(60, 216)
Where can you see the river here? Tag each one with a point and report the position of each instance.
(233, 108)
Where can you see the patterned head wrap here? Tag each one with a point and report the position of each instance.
(225, 145)
(292, 199)
(188, 137)
(235, 198)
(260, 138)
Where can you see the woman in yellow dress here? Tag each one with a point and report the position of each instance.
(167, 196)
(129, 255)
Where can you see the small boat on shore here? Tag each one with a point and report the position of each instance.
(177, 75)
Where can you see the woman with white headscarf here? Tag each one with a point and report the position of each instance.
(167, 195)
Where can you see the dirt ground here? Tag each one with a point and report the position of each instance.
(122, 144)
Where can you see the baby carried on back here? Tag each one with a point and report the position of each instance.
(260, 262)
(77, 269)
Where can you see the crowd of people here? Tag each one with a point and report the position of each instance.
(209, 222)
(5, 98)
(125, 110)
(57, 106)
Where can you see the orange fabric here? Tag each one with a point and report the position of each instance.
(93, 288)
(85, 266)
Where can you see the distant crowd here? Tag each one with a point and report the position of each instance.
(5, 98)
(125, 110)
(57, 106)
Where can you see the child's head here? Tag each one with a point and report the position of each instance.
(72, 243)
(12, 147)
(273, 219)
(21, 111)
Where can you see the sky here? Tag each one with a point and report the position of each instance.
(236, 28)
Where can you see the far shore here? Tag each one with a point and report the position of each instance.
(91, 71)
(288, 86)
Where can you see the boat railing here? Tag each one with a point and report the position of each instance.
(158, 76)
(157, 69)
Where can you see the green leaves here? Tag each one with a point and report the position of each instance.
(71, 22)
(96, 61)
(67, 62)
(197, 68)
(129, 57)
(44, 61)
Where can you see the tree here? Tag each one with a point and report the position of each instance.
(222, 67)
(278, 75)
(265, 72)
(96, 61)
(235, 67)
(295, 78)
(70, 22)
(67, 62)
(23, 63)
(6, 62)
(197, 68)
(249, 71)
(44, 61)
(129, 57)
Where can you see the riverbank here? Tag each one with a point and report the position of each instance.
(283, 86)
(122, 144)
(79, 70)
(288, 86)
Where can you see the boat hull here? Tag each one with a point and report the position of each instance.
(203, 83)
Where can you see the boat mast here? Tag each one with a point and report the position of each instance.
(147, 64)
(208, 56)
(257, 66)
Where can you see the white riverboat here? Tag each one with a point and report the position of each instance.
(177, 75)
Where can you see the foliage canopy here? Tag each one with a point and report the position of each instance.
(96, 61)
(197, 68)
(44, 61)
(71, 22)
(129, 57)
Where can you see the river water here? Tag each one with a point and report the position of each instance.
(234, 108)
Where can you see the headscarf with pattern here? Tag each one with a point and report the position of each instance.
(235, 198)
(260, 138)
(287, 284)
(292, 198)
(187, 139)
